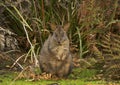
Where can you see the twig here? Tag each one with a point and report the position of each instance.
(32, 47)
(16, 62)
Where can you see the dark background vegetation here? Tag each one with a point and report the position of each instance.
(94, 31)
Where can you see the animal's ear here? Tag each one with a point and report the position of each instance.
(52, 26)
(66, 27)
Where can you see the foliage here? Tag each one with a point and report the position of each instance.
(83, 74)
(110, 45)
(94, 29)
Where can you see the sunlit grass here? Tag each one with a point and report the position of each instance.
(8, 81)
(7, 77)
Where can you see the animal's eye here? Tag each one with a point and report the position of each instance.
(56, 35)
(63, 34)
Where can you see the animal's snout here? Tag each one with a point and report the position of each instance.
(59, 43)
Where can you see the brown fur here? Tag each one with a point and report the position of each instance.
(55, 57)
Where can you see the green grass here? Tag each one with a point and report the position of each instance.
(83, 73)
(6, 78)
(8, 81)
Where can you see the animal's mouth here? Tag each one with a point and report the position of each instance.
(59, 43)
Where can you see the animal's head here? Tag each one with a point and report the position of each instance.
(59, 34)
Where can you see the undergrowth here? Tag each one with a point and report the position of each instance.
(94, 30)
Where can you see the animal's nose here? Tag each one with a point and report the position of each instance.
(59, 42)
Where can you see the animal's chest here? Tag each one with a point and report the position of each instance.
(60, 52)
